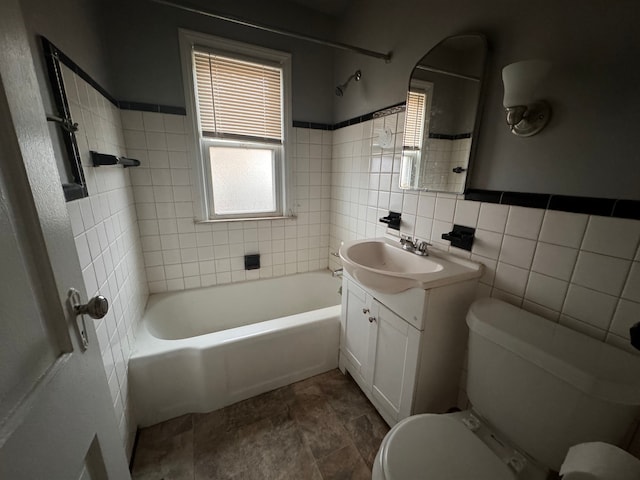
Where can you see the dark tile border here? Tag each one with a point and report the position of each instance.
(315, 126)
(355, 120)
(592, 206)
(152, 107)
(486, 196)
(605, 207)
(531, 200)
(446, 136)
(627, 209)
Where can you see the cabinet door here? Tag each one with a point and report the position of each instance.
(395, 362)
(356, 337)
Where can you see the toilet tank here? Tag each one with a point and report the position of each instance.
(546, 387)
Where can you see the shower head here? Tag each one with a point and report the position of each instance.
(341, 88)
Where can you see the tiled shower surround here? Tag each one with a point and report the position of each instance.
(107, 241)
(180, 253)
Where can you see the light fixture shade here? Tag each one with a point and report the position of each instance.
(521, 80)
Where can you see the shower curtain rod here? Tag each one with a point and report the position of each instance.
(446, 72)
(230, 18)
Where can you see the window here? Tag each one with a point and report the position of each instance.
(416, 131)
(414, 123)
(239, 102)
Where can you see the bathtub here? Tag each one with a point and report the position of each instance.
(200, 350)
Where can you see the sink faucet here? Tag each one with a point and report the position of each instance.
(407, 244)
(419, 247)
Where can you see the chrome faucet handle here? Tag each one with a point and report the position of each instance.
(421, 248)
(407, 243)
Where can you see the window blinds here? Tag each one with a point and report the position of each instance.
(414, 123)
(237, 98)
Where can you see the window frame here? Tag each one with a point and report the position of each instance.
(202, 193)
(411, 161)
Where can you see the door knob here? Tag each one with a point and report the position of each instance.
(96, 308)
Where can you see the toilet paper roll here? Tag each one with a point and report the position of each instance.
(599, 461)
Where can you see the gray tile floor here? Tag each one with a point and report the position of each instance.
(322, 428)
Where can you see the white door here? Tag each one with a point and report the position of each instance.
(356, 335)
(395, 363)
(56, 416)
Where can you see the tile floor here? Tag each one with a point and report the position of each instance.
(322, 428)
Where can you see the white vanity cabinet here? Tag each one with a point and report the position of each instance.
(405, 350)
(357, 338)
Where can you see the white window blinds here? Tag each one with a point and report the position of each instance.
(414, 123)
(238, 98)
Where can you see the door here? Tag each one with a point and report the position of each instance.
(357, 333)
(395, 363)
(56, 416)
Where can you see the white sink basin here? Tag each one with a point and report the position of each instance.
(382, 265)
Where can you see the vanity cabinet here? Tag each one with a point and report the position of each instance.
(358, 333)
(405, 350)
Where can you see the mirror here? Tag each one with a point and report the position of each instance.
(441, 115)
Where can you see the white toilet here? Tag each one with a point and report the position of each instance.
(537, 389)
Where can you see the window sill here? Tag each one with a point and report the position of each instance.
(247, 219)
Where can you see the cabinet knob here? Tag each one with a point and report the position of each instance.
(365, 310)
(372, 319)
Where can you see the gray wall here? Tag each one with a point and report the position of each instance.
(588, 148)
(143, 41)
(75, 27)
(453, 105)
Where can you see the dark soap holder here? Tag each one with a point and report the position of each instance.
(392, 220)
(252, 262)
(460, 237)
(99, 159)
(634, 333)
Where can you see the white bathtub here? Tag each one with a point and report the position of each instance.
(199, 350)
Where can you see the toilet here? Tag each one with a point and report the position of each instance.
(537, 389)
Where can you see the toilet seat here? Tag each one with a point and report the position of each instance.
(438, 447)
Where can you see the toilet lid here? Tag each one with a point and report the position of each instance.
(439, 447)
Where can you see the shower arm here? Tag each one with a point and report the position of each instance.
(356, 75)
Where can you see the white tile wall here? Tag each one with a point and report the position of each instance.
(180, 253)
(107, 241)
(579, 270)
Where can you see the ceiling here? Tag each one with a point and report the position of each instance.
(329, 7)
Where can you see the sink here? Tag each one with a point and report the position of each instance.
(382, 265)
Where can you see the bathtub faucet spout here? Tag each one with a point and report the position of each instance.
(337, 273)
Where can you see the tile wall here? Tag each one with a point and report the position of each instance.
(180, 253)
(580, 270)
(107, 241)
(444, 156)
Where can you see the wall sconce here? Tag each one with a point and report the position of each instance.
(526, 115)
